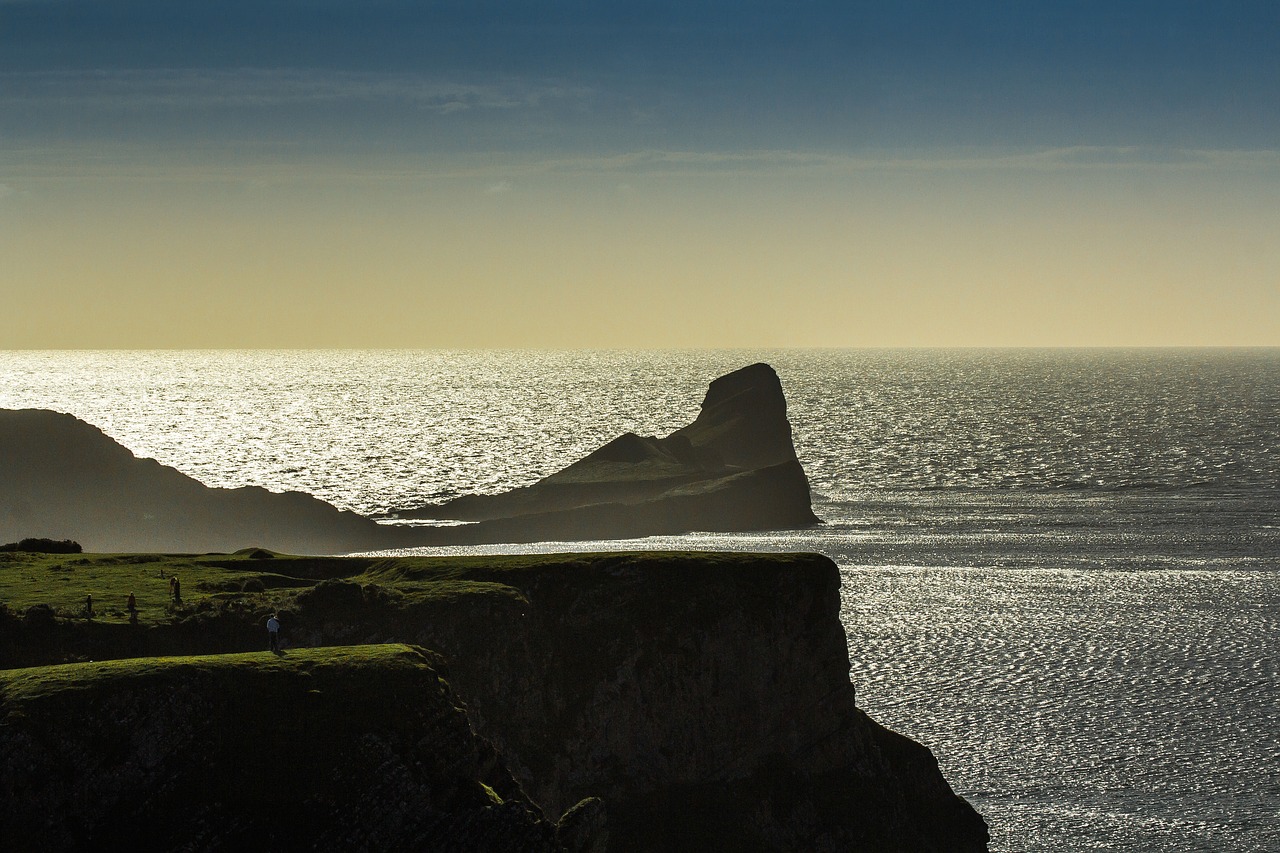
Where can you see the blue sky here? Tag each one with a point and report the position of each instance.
(765, 74)
(149, 115)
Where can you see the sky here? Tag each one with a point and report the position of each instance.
(385, 173)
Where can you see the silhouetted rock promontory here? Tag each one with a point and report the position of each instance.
(734, 468)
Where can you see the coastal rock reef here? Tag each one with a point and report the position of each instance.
(625, 702)
(733, 468)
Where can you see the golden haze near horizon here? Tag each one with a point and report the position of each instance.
(880, 257)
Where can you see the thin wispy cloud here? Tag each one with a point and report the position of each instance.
(194, 89)
(799, 162)
(282, 163)
(732, 147)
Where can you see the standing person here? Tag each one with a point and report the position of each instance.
(132, 606)
(88, 606)
(273, 633)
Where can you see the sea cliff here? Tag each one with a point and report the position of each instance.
(703, 698)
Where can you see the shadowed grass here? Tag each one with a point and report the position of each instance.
(33, 683)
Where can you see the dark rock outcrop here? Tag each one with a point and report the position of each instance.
(733, 468)
(704, 698)
(323, 749)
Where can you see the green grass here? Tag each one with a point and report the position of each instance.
(219, 580)
(63, 580)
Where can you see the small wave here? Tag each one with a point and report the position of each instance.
(421, 522)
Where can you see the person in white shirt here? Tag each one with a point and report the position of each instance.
(273, 632)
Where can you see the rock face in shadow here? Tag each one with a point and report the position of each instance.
(322, 749)
(704, 698)
(734, 468)
(62, 478)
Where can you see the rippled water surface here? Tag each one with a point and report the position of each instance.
(1060, 568)
(1136, 710)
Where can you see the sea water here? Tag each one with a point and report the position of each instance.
(1061, 569)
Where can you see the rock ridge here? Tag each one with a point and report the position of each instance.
(63, 478)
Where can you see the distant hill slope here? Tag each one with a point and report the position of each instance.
(62, 478)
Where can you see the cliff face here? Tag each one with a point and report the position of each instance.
(704, 698)
(332, 749)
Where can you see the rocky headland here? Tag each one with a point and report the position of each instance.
(627, 702)
(624, 702)
(734, 468)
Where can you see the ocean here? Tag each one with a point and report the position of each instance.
(1061, 568)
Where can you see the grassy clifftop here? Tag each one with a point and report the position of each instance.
(52, 590)
(25, 689)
